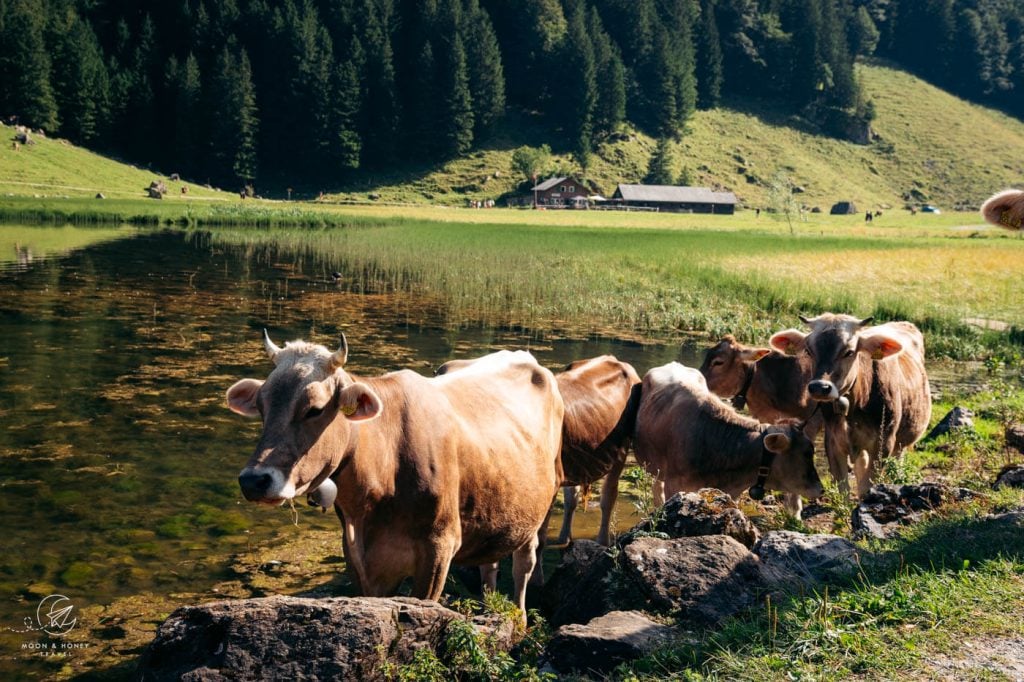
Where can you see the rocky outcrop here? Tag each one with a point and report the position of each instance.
(794, 560)
(1014, 434)
(297, 638)
(1011, 476)
(957, 419)
(705, 512)
(605, 642)
(887, 507)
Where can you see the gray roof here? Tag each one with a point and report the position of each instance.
(674, 194)
(549, 183)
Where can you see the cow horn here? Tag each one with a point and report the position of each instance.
(866, 321)
(805, 320)
(340, 356)
(272, 350)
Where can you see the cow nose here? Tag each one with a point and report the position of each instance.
(254, 486)
(821, 390)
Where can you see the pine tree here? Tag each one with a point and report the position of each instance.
(610, 107)
(486, 73)
(863, 35)
(709, 58)
(188, 114)
(79, 78)
(246, 122)
(345, 142)
(25, 66)
(379, 124)
(578, 94)
(233, 119)
(660, 169)
(456, 115)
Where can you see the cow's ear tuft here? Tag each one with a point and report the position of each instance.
(754, 354)
(879, 345)
(242, 397)
(776, 442)
(790, 341)
(359, 403)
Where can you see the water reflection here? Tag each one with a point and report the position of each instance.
(117, 457)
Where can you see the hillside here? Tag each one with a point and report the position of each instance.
(56, 168)
(932, 146)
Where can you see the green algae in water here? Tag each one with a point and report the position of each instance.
(78, 574)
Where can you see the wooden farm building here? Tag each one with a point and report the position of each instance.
(675, 199)
(560, 191)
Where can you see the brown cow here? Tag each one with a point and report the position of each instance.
(874, 381)
(601, 396)
(690, 439)
(1005, 209)
(458, 468)
(770, 384)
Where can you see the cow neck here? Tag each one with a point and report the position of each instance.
(739, 401)
(757, 491)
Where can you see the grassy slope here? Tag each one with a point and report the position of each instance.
(55, 168)
(950, 151)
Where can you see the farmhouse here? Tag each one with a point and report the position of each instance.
(560, 191)
(675, 199)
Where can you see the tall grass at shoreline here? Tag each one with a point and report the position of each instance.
(660, 283)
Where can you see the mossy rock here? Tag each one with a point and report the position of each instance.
(77, 574)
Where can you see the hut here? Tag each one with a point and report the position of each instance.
(559, 192)
(675, 199)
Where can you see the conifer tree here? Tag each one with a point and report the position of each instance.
(246, 122)
(660, 170)
(456, 119)
(79, 77)
(610, 107)
(709, 58)
(187, 114)
(25, 66)
(579, 91)
(379, 124)
(486, 73)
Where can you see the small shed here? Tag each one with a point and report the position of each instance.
(559, 191)
(843, 208)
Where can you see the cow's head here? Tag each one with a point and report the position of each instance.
(792, 468)
(728, 365)
(832, 345)
(1005, 209)
(306, 405)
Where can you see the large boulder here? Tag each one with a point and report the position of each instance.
(605, 642)
(297, 638)
(957, 419)
(1015, 436)
(1011, 476)
(795, 559)
(705, 512)
(887, 507)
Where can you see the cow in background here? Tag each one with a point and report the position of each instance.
(690, 439)
(459, 468)
(874, 382)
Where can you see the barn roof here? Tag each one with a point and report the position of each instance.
(551, 182)
(674, 194)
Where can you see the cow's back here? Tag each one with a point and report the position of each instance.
(601, 397)
(671, 399)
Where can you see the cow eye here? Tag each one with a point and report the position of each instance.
(314, 412)
(717, 362)
(849, 353)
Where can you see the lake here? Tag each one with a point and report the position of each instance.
(118, 459)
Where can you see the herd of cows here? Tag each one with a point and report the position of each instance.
(463, 467)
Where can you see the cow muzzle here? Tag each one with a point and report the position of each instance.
(822, 390)
(261, 484)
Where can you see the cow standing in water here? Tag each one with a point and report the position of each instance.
(459, 468)
(874, 382)
(690, 439)
(601, 397)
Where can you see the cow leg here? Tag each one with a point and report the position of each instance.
(537, 574)
(609, 493)
(794, 505)
(434, 558)
(864, 470)
(489, 577)
(658, 492)
(837, 451)
(524, 563)
(569, 495)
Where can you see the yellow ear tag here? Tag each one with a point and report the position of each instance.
(877, 354)
(349, 410)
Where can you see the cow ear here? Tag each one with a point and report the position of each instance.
(1005, 209)
(879, 345)
(776, 442)
(242, 397)
(359, 403)
(790, 341)
(754, 354)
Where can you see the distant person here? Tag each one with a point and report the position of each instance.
(757, 212)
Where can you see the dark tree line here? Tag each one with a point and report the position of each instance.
(319, 91)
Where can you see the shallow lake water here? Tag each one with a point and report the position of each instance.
(118, 459)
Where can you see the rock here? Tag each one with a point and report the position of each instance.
(373, 196)
(297, 638)
(957, 418)
(605, 642)
(700, 580)
(1014, 517)
(887, 507)
(575, 564)
(1011, 476)
(705, 512)
(793, 559)
(100, 195)
(581, 588)
(1015, 436)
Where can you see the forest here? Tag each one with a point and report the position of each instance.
(322, 92)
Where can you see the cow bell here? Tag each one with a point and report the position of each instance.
(842, 405)
(323, 496)
(756, 492)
